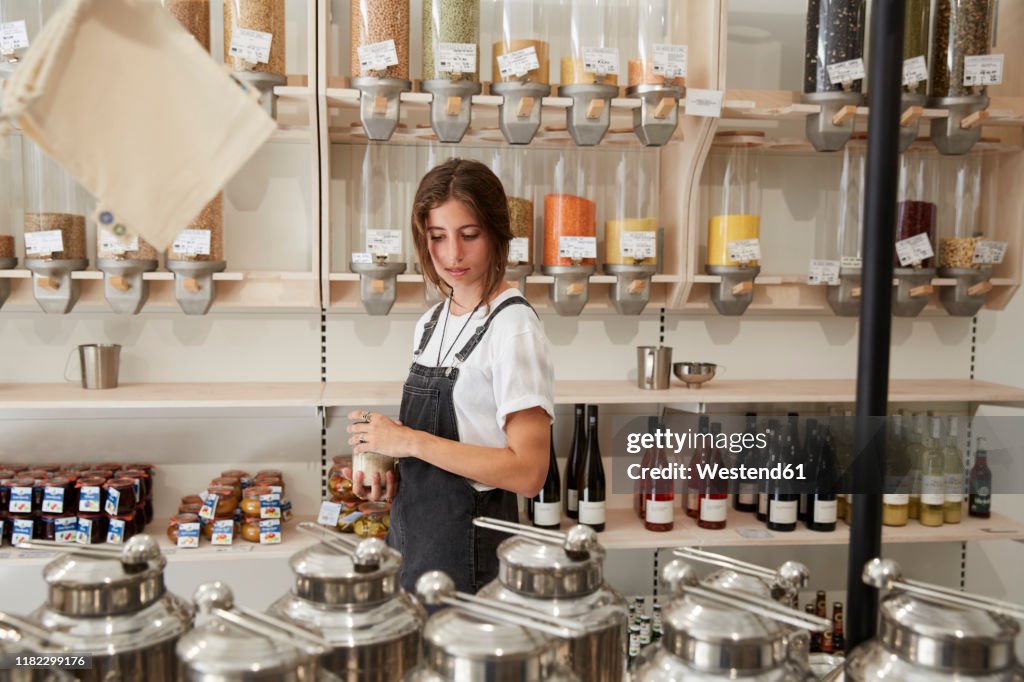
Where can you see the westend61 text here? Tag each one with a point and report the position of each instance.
(715, 472)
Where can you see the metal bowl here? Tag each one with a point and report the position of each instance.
(693, 374)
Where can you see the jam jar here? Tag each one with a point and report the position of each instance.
(144, 486)
(339, 486)
(35, 473)
(192, 499)
(112, 466)
(97, 528)
(131, 525)
(190, 508)
(251, 501)
(122, 502)
(7, 473)
(65, 501)
(229, 482)
(375, 520)
(97, 472)
(226, 500)
(172, 525)
(251, 529)
(243, 476)
(14, 487)
(46, 527)
(208, 526)
(271, 481)
(5, 531)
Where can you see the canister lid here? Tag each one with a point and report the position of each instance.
(328, 576)
(537, 569)
(216, 648)
(729, 579)
(946, 637)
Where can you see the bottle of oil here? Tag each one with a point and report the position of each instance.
(933, 478)
(954, 467)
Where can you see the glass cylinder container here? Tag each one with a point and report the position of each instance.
(962, 219)
(835, 34)
(194, 16)
(593, 56)
(265, 16)
(381, 218)
(735, 195)
(916, 33)
(451, 34)
(844, 240)
(196, 248)
(7, 220)
(916, 208)
(653, 39)
(568, 212)
(53, 202)
(510, 164)
(962, 28)
(375, 22)
(522, 51)
(631, 224)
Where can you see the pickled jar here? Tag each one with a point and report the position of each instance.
(55, 205)
(734, 194)
(633, 208)
(339, 486)
(522, 28)
(374, 521)
(378, 21)
(450, 21)
(916, 208)
(962, 28)
(963, 221)
(592, 34)
(510, 164)
(568, 212)
(266, 16)
(348, 516)
(652, 30)
(251, 500)
(835, 34)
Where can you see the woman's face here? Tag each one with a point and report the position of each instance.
(458, 246)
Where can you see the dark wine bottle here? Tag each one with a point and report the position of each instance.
(822, 506)
(979, 485)
(783, 504)
(572, 466)
(769, 460)
(547, 504)
(745, 498)
(590, 482)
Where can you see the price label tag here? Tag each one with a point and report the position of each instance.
(65, 530)
(270, 506)
(362, 257)
(252, 46)
(43, 243)
(989, 253)
(188, 535)
(518, 63)
(384, 241)
(823, 272)
(914, 250)
(846, 72)
(21, 500)
(329, 513)
(639, 244)
(21, 531)
(13, 36)
(84, 533)
(601, 60)
(707, 103)
(89, 499)
(209, 509)
(577, 248)
(115, 532)
(851, 262)
(115, 244)
(53, 500)
(914, 71)
(457, 57)
(192, 243)
(670, 61)
(270, 532)
(519, 250)
(378, 56)
(983, 69)
(113, 499)
(223, 532)
(744, 250)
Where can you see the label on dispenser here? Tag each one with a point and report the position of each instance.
(989, 253)
(115, 532)
(115, 244)
(21, 531)
(13, 36)
(577, 248)
(744, 250)
(851, 262)
(518, 63)
(519, 250)
(384, 241)
(846, 72)
(21, 500)
(639, 244)
(223, 532)
(707, 103)
(362, 257)
(329, 513)
(89, 498)
(113, 500)
(914, 250)
(192, 243)
(601, 60)
(378, 56)
(43, 243)
(823, 272)
(457, 57)
(983, 69)
(188, 535)
(914, 71)
(270, 506)
(65, 530)
(250, 45)
(270, 532)
(670, 61)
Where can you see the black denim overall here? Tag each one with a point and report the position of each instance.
(432, 515)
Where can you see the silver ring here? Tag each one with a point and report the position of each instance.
(362, 441)
(365, 416)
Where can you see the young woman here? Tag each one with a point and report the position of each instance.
(474, 424)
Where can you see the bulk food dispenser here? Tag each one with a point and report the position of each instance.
(254, 45)
(380, 62)
(734, 219)
(451, 70)
(657, 75)
(570, 231)
(916, 209)
(631, 228)
(833, 70)
(511, 165)
(843, 234)
(55, 237)
(378, 245)
(520, 66)
(916, 32)
(959, 72)
(590, 72)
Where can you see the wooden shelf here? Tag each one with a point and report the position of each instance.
(161, 396)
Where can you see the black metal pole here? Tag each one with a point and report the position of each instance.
(886, 80)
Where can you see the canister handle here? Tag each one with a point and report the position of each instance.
(790, 576)
(367, 555)
(21, 625)
(578, 543)
(138, 551)
(886, 574)
(681, 579)
(435, 588)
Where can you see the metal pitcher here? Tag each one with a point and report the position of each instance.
(349, 591)
(653, 367)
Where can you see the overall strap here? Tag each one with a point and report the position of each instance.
(479, 334)
(428, 328)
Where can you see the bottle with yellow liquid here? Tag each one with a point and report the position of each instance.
(895, 499)
(954, 467)
(913, 432)
(933, 478)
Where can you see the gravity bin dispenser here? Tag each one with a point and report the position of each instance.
(380, 63)
(520, 68)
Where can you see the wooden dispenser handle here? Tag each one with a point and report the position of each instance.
(454, 106)
(923, 290)
(843, 115)
(665, 105)
(120, 283)
(525, 107)
(911, 116)
(49, 283)
(637, 286)
(975, 119)
(742, 288)
(980, 288)
(574, 289)
(595, 109)
(380, 105)
(191, 285)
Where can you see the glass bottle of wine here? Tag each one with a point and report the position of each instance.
(572, 465)
(590, 483)
(547, 504)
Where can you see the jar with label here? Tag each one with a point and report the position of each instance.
(191, 499)
(123, 527)
(374, 23)
(916, 35)
(251, 529)
(963, 28)
(339, 486)
(835, 35)
(374, 521)
(120, 496)
(522, 52)
(348, 516)
(92, 528)
(229, 482)
(175, 521)
(276, 483)
(243, 476)
(916, 208)
(207, 529)
(451, 37)
(251, 500)
(380, 223)
(630, 228)
(142, 481)
(222, 499)
(733, 193)
(570, 217)
(971, 207)
(254, 36)
(55, 207)
(18, 493)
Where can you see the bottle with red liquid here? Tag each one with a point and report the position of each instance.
(745, 499)
(700, 452)
(714, 497)
(658, 503)
(643, 484)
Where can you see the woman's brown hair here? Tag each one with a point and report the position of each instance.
(480, 190)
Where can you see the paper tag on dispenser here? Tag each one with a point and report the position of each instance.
(252, 46)
(744, 250)
(378, 56)
(43, 243)
(384, 241)
(851, 262)
(707, 103)
(518, 63)
(457, 57)
(983, 69)
(329, 513)
(914, 250)
(577, 248)
(519, 250)
(114, 244)
(223, 532)
(989, 253)
(670, 61)
(13, 36)
(914, 71)
(823, 272)
(601, 60)
(639, 244)
(362, 257)
(192, 243)
(846, 72)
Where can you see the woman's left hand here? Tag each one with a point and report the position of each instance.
(374, 432)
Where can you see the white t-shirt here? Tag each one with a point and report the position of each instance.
(508, 371)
